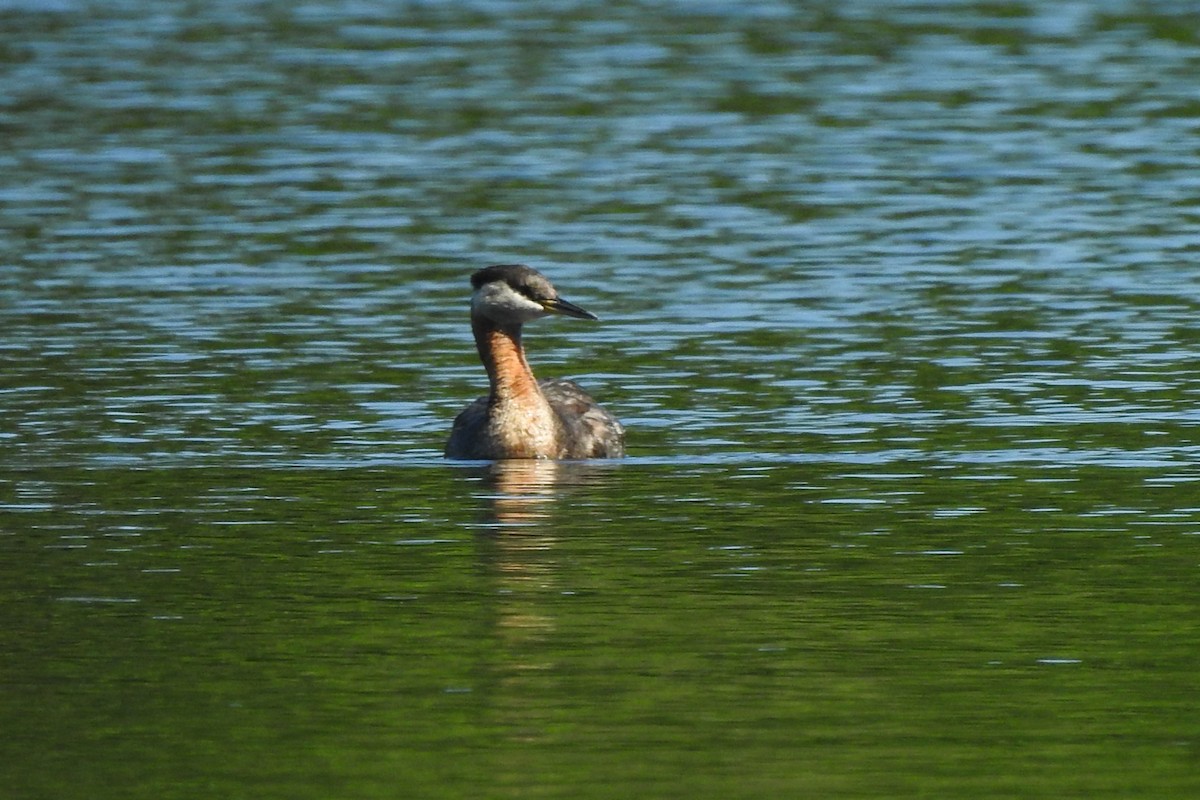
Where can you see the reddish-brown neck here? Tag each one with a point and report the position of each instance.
(504, 358)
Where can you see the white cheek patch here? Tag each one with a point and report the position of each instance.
(499, 302)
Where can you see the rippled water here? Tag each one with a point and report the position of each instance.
(898, 305)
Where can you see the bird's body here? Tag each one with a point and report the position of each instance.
(520, 417)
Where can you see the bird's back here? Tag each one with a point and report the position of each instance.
(591, 432)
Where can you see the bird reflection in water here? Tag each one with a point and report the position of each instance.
(522, 499)
(524, 491)
(519, 551)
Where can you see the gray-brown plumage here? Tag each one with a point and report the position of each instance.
(520, 417)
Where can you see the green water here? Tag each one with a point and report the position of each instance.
(898, 304)
(650, 630)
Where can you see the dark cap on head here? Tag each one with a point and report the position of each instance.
(513, 274)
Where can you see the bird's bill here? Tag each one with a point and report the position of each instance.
(559, 306)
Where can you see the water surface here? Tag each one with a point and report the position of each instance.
(898, 305)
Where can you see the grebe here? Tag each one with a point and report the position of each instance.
(520, 417)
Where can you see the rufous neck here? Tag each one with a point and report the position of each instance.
(503, 356)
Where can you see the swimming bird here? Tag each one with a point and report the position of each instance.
(520, 417)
